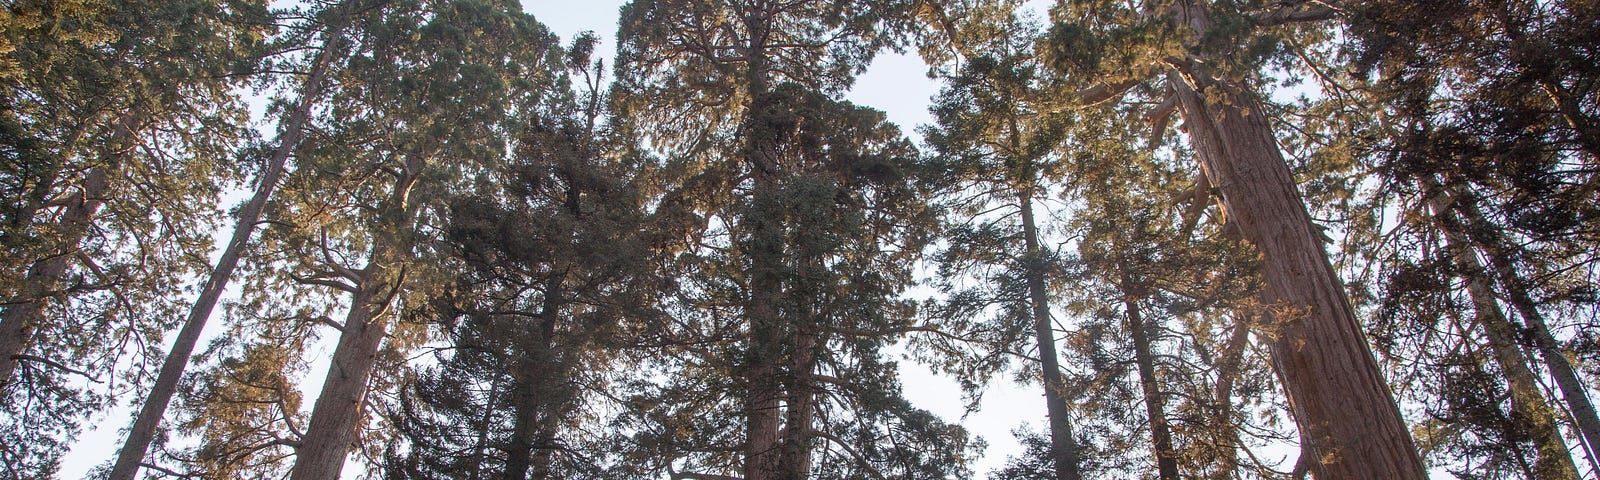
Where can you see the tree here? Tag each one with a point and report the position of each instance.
(166, 384)
(553, 251)
(117, 127)
(470, 67)
(997, 140)
(1506, 143)
(809, 221)
(1208, 54)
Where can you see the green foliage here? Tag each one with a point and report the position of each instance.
(144, 101)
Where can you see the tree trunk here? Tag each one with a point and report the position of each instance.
(338, 414)
(762, 390)
(1476, 231)
(1554, 461)
(1154, 402)
(22, 314)
(155, 405)
(482, 443)
(795, 463)
(1346, 413)
(531, 434)
(519, 449)
(1063, 444)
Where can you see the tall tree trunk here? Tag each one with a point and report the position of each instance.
(155, 405)
(1154, 401)
(22, 314)
(1554, 461)
(1346, 413)
(762, 390)
(1344, 408)
(1063, 444)
(1471, 228)
(338, 413)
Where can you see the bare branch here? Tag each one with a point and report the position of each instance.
(326, 282)
(1102, 92)
(56, 365)
(1294, 14)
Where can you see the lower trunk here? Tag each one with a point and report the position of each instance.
(1154, 402)
(1529, 406)
(338, 413)
(763, 391)
(476, 470)
(1341, 402)
(23, 313)
(533, 430)
(1554, 458)
(519, 449)
(1063, 445)
(761, 423)
(795, 463)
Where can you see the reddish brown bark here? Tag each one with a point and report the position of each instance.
(1347, 415)
(338, 414)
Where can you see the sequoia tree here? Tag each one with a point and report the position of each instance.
(810, 218)
(1347, 415)
(118, 131)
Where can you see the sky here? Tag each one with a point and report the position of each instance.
(898, 85)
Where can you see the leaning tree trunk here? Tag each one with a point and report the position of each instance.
(22, 317)
(23, 313)
(1063, 445)
(1346, 413)
(338, 414)
(1154, 402)
(155, 405)
(1471, 227)
(1348, 417)
(1554, 460)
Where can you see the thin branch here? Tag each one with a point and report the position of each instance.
(57, 365)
